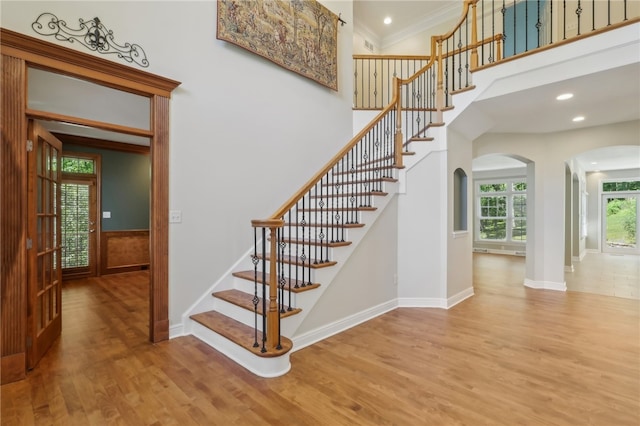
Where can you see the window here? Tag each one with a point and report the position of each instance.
(77, 208)
(502, 211)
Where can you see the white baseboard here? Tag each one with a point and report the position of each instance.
(568, 268)
(176, 331)
(498, 251)
(545, 285)
(321, 333)
(457, 298)
(422, 302)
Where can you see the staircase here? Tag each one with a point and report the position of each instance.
(254, 311)
(314, 242)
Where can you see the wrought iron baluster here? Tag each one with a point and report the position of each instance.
(297, 228)
(625, 10)
(515, 28)
(314, 210)
(255, 260)
(504, 26)
(466, 65)
(564, 18)
(303, 256)
(290, 254)
(593, 15)
(281, 281)
(579, 14)
(375, 83)
(355, 83)
(264, 290)
(538, 24)
(482, 31)
(341, 198)
(551, 24)
(526, 25)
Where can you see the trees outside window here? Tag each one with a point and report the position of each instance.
(501, 210)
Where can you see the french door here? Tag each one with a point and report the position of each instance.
(79, 224)
(44, 277)
(620, 223)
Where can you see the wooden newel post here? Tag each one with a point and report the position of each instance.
(440, 84)
(474, 35)
(273, 313)
(273, 331)
(398, 141)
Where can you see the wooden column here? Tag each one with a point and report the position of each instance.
(474, 35)
(440, 84)
(13, 187)
(159, 224)
(398, 141)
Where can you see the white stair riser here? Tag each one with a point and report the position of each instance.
(263, 367)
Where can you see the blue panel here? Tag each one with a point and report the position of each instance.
(520, 26)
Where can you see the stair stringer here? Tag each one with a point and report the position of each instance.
(275, 366)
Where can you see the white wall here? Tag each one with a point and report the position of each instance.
(245, 133)
(422, 244)
(366, 280)
(459, 244)
(548, 153)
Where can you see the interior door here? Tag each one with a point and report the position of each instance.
(79, 224)
(44, 293)
(620, 222)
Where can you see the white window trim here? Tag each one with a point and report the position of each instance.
(509, 193)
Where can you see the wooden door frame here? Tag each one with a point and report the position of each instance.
(20, 51)
(94, 242)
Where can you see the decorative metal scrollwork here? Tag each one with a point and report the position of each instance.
(93, 35)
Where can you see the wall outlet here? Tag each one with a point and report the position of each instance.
(175, 216)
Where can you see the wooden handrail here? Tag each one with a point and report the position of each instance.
(334, 160)
(408, 57)
(463, 17)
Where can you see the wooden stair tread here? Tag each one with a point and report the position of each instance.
(361, 169)
(421, 139)
(340, 209)
(301, 286)
(245, 301)
(358, 182)
(325, 225)
(310, 263)
(324, 243)
(239, 333)
(356, 194)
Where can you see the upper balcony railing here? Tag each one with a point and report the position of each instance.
(490, 31)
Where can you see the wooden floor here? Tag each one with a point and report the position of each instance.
(507, 356)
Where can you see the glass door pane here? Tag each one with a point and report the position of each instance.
(620, 222)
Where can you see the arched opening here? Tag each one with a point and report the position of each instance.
(460, 222)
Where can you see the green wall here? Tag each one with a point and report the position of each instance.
(126, 183)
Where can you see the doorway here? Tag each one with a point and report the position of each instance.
(619, 223)
(19, 52)
(79, 206)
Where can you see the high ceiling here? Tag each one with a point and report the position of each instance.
(407, 17)
(618, 88)
(507, 113)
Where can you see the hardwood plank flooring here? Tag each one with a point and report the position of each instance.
(507, 356)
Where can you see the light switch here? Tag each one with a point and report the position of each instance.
(106, 215)
(175, 216)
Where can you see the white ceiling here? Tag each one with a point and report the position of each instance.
(508, 113)
(408, 17)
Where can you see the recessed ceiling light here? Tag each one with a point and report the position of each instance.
(594, 162)
(387, 20)
(578, 118)
(565, 96)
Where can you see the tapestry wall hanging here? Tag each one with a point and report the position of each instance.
(299, 35)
